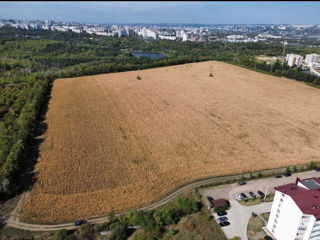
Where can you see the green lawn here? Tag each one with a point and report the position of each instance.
(265, 216)
(255, 225)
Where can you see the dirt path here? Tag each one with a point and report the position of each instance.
(14, 221)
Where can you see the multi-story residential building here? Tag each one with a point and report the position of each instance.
(295, 212)
(167, 37)
(312, 58)
(294, 59)
(147, 33)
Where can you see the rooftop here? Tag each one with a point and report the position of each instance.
(307, 199)
(311, 183)
(220, 203)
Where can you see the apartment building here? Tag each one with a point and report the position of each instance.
(295, 212)
(294, 60)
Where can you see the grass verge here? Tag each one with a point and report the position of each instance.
(255, 225)
(258, 200)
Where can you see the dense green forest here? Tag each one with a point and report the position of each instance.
(30, 60)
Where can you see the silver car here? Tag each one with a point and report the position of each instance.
(239, 197)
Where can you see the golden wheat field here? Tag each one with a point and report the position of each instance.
(114, 142)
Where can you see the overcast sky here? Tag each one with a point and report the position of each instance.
(166, 12)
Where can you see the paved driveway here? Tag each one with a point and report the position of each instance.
(238, 214)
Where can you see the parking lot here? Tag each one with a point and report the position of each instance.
(238, 215)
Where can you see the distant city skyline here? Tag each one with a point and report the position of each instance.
(166, 12)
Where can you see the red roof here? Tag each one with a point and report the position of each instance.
(307, 200)
(220, 203)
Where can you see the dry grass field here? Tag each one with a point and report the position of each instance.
(115, 142)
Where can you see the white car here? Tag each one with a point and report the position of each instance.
(239, 197)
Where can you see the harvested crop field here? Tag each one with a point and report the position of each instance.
(115, 142)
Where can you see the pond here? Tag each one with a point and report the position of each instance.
(152, 55)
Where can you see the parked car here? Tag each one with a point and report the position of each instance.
(222, 219)
(222, 224)
(238, 196)
(252, 194)
(79, 222)
(210, 199)
(222, 213)
(317, 169)
(268, 237)
(278, 176)
(242, 183)
(261, 194)
(288, 174)
(244, 197)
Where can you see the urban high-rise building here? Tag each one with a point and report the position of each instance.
(294, 60)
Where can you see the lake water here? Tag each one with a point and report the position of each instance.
(152, 55)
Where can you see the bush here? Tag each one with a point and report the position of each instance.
(167, 215)
(208, 216)
(133, 217)
(313, 165)
(120, 232)
(253, 214)
(187, 206)
(220, 209)
(86, 230)
(60, 234)
(138, 77)
(172, 231)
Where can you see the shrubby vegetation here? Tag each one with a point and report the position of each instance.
(152, 222)
(32, 59)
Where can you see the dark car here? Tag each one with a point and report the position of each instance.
(242, 183)
(210, 199)
(288, 174)
(267, 237)
(222, 213)
(317, 169)
(278, 176)
(244, 197)
(79, 222)
(252, 194)
(222, 224)
(261, 194)
(222, 219)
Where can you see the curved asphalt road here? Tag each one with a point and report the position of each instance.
(14, 222)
